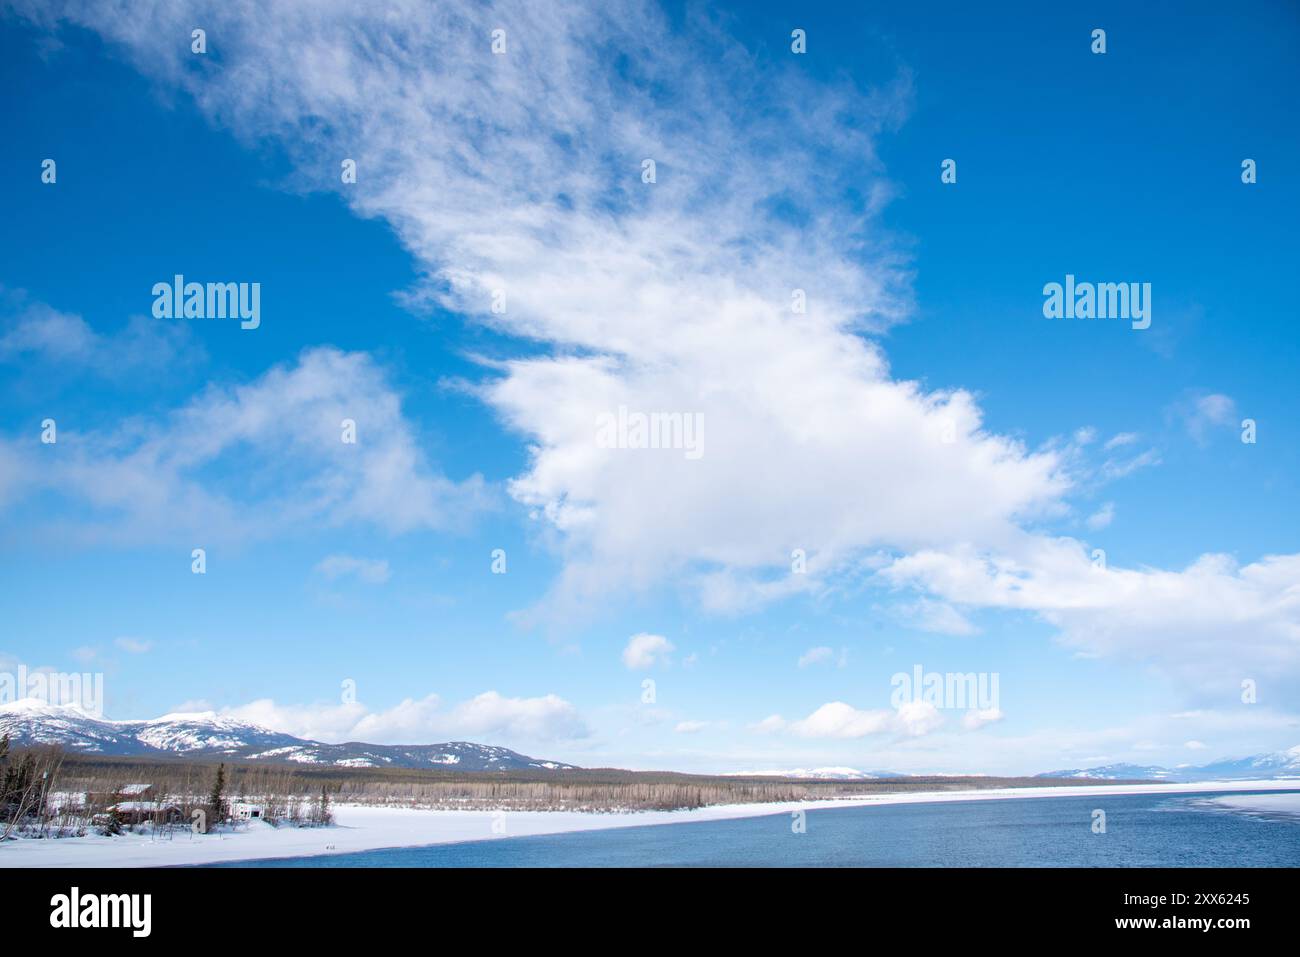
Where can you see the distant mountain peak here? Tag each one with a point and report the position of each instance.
(34, 706)
(818, 774)
(1268, 766)
(209, 734)
(188, 716)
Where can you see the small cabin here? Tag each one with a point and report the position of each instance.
(242, 811)
(138, 812)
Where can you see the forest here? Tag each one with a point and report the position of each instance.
(47, 792)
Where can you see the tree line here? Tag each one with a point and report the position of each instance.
(45, 793)
(292, 793)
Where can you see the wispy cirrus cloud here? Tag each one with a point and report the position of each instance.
(520, 175)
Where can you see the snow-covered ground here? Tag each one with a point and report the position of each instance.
(362, 828)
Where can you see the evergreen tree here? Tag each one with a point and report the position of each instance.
(323, 813)
(217, 807)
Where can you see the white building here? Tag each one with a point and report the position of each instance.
(241, 811)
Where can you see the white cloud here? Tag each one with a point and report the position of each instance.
(489, 718)
(839, 720)
(934, 616)
(1204, 414)
(644, 651)
(35, 331)
(917, 717)
(521, 173)
(978, 718)
(814, 656)
(1049, 745)
(1102, 517)
(822, 655)
(193, 706)
(42, 331)
(547, 717)
(690, 727)
(1117, 468)
(671, 297)
(135, 646)
(769, 725)
(150, 479)
(318, 722)
(373, 571)
(1210, 625)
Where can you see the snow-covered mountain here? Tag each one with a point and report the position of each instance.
(207, 734)
(1272, 766)
(1116, 772)
(818, 774)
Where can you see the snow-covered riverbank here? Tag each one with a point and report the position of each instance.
(362, 828)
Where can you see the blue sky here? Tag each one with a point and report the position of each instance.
(522, 172)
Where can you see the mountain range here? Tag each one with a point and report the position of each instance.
(1271, 766)
(819, 774)
(208, 734)
(1278, 765)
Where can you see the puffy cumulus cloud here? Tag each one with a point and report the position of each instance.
(256, 459)
(317, 722)
(488, 718)
(644, 651)
(548, 717)
(1052, 742)
(809, 445)
(690, 727)
(1211, 624)
(521, 173)
(839, 720)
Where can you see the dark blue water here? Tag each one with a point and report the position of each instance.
(1141, 831)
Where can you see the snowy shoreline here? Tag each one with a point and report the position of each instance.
(366, 828)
